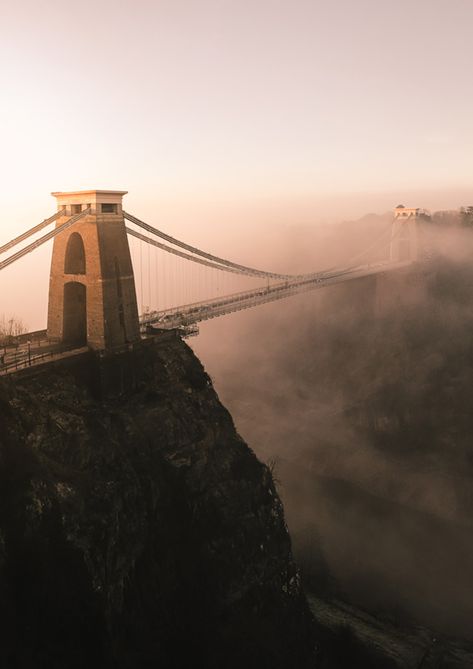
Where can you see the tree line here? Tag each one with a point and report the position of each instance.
(10, 328)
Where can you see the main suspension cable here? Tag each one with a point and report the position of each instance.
(175, 252)
(241, 269)
(227, 265)
(31, 231)
(42, 240)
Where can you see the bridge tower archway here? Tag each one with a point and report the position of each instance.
(92, 297)
(75, 314)
(74, 262)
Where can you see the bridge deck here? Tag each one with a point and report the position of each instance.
(201, 311)
(32, 349)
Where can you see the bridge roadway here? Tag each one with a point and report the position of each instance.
(34, 348)
(200, 311)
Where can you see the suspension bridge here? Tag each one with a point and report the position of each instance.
(93, 287)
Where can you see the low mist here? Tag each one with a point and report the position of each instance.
(359, 398)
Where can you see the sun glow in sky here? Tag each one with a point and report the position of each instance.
(310, 108)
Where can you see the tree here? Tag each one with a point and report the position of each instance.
(10, 327)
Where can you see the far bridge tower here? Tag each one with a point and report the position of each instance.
(92, 298)
(404, 233)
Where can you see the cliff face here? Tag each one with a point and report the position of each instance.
(138, 529)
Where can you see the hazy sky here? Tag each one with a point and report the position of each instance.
(202, 106)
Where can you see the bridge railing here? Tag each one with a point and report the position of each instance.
(27, 358)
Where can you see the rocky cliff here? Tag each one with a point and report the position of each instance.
(137, 529)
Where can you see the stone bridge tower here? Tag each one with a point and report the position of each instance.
(404, 233)
(92, 298)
